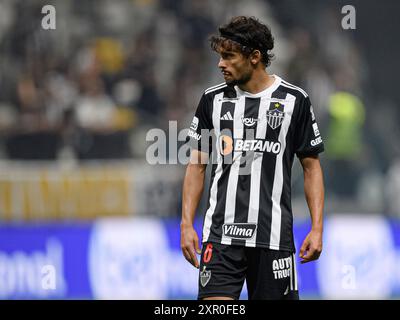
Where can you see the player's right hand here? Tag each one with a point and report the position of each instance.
(190, 244)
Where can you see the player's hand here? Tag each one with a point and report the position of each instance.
(312, 247)
(190, 244)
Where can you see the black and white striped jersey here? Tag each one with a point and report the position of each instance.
(254, 139)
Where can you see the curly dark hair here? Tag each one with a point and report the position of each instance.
(245, 34)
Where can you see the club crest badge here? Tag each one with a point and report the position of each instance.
(275, 118)
(205, 276)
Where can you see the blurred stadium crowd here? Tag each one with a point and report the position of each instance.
(112, 70)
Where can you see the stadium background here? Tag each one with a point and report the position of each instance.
(78, 194)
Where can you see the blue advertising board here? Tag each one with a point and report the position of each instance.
(44, 261)
(120, 258)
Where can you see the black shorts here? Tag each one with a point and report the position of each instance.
(269, 274)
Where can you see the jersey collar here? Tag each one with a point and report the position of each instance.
(266, 91)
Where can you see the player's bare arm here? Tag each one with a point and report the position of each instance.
(314, 192)
(193, 186)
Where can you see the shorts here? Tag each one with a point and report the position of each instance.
(269, 274)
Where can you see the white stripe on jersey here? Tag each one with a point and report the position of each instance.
(278, 177)
(291, 86)
(255, 184)
(291, 271)
(214, 188)
(218, 86)
(295, 272)
(230, 204)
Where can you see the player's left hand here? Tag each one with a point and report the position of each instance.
(312, 247)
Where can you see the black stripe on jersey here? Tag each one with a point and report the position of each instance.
(267, 178)
(226, 127)
(286, 239)
(251, 109)
(212, 177)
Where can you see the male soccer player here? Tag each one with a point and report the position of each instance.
(259, 122)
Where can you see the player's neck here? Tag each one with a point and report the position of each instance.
(260, 81)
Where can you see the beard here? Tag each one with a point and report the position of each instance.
(245, 77)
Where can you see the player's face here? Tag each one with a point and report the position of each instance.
(235, 67)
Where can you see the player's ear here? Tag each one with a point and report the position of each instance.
(255, 57)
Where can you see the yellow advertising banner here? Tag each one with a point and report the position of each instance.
(50, 193)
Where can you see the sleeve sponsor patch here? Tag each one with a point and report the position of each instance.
(195, 123)
(316, 130)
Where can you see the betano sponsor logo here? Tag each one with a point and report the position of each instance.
(227, 145)
(239, 230)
